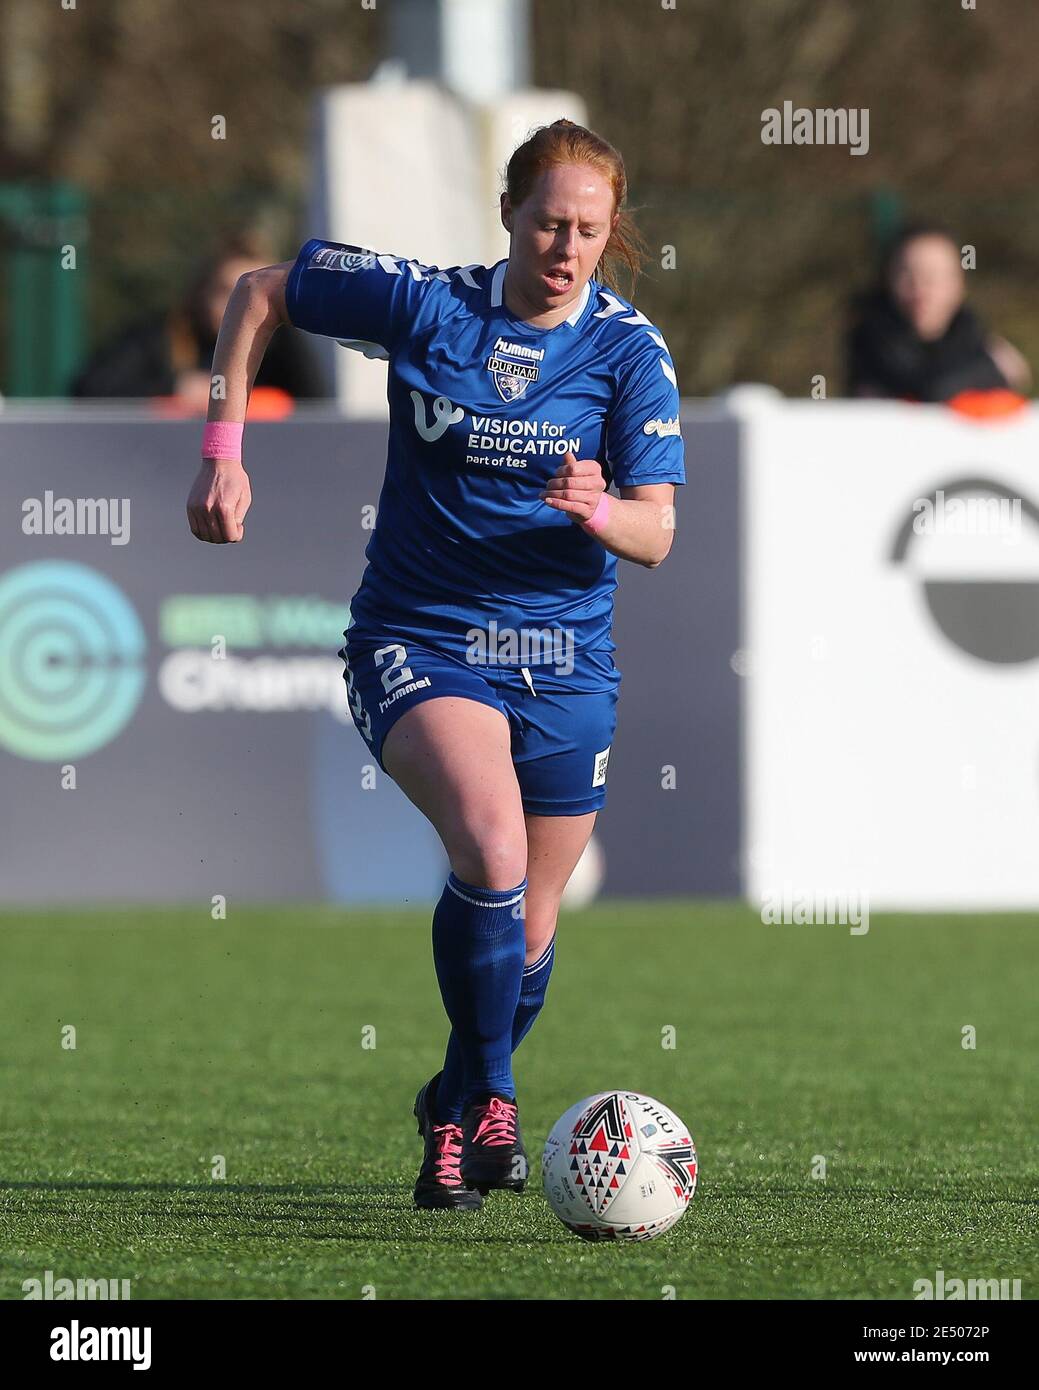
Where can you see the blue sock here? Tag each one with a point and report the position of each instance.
(478, 951)
(533, 987)
(447, 1108)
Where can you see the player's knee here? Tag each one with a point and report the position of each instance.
(494, 857)
(539, 934)
(540, 914)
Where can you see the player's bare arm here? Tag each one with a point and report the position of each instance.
(221, 494)
(639, 527)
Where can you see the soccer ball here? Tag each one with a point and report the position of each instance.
(619, 1166)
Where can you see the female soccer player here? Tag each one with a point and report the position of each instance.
(478, 656)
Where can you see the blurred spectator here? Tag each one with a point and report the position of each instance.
(914, 337)
(172, 354)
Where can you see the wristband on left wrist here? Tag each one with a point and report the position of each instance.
(600, 517)
(222, 439)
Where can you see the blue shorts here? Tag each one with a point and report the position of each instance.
(562, 721)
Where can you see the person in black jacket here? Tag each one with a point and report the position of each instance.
(915, 338)
(172, 354)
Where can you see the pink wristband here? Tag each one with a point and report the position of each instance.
(222, 439)
(600, 516)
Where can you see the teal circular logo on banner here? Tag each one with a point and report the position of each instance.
(72, 667)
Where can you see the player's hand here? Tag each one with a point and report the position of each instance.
(219, 500)
(575, 488)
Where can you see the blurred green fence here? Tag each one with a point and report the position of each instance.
(43, 237)
(73, 273)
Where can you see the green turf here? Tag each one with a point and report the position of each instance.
(244, 1038)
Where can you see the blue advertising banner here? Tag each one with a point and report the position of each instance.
(173, 717)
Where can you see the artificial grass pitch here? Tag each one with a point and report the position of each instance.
(290, 1042)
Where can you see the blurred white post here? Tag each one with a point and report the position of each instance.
(478, 49)
(411, 162)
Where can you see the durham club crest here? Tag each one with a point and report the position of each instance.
(513, 368)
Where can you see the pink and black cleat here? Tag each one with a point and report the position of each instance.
(439, 1185)
(493, 1155)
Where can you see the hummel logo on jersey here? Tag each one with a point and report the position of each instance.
(517, 350)
(513, 368)
(662, 427)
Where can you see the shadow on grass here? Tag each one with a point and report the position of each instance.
(718, 1191)
(828, 1191)
(349, 1212)
(217, 1185)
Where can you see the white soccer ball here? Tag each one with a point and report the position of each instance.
(619, 1166)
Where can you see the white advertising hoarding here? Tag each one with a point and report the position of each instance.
(891, 655)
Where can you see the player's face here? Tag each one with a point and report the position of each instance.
(558, 232)
(927, 284)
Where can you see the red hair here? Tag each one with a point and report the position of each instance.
(565, 142)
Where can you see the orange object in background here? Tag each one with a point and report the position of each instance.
(269, 403)
(265, 403)
(987, 405)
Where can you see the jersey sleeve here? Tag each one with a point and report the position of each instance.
(365, 299)
(643, 439)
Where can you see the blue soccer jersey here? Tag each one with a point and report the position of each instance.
(483, 408)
